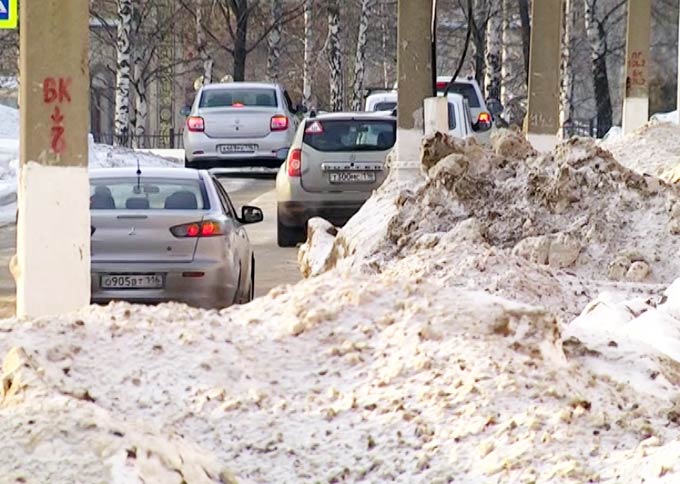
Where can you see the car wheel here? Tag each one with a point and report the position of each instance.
(190, 164)
(289, 236)
(252, 281)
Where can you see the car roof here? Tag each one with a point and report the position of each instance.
(239, 85)
(353, 115)
(155, 172)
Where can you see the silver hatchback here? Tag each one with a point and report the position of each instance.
(168, 234)
(239, 123)
(335, 163)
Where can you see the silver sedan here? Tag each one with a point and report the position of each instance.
(168, 234)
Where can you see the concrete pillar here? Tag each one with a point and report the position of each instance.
(52, 265)
(414, 74)
(436, 114)
(636, 101)
(543, 114)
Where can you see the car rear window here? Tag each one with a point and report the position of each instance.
(452, 116)
(238, 97)
(385, 106)
(350, 135)
(131, 193)
(466, 90)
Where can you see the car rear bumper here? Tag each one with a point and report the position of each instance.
(205, 284)
(296, 214)
(200, 148)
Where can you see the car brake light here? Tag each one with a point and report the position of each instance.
(237, 105)
(442, 85)
(206, 228)
(314, 128)
(295, 163)
(195, 124)
(484, 118)
(279, 123)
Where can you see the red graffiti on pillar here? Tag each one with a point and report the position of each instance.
(56, 90)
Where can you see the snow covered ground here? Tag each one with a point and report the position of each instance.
(507, 317)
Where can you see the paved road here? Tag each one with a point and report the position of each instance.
(274, 265)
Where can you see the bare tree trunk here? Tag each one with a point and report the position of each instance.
(275, 41)
(360, 58)
(335, 57)
(122, 114)
(493, 55)
(240, 46)
(201, 45)
(383, 44)
(566, 89)
(598, 45)
(141, 103)
(507, 65)
(309, 42)
(479, 42)
(525, 18)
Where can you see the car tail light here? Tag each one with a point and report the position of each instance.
(195, 124)
(207, 228)
(295, 163)
(314, 128)
(484, 118)
(442, 85)
(279, 123)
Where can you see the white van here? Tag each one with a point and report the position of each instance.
(460, 118)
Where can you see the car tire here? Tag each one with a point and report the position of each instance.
(251, 296)
(190, 164)
(288, 236)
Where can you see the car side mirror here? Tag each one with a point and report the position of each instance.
(185, 111)
(282, 154)
(251, 215)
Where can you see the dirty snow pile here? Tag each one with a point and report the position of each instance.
(486, 323)
(653, 149)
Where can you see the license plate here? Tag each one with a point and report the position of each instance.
(237, 148)
(352, 177)
(131, 281)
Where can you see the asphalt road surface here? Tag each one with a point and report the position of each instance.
(273, 265)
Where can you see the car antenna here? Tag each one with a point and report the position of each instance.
(139, 176)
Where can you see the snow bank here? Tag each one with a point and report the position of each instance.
(653, 149)
(74, 440)
(505, 318)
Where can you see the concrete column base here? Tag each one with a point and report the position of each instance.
(436, 115)
(408, 149)
(52, 265)
(543, 143)
(635, 113)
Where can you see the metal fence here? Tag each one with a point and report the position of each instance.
(581, 127)
(149, 141)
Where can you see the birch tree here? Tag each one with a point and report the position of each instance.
(494, 62)
(335, 57)
(360, 57)
(202, 46)
(308, 57)
(123, 74)
(567, 77)
(596, 24)
(275, 41)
